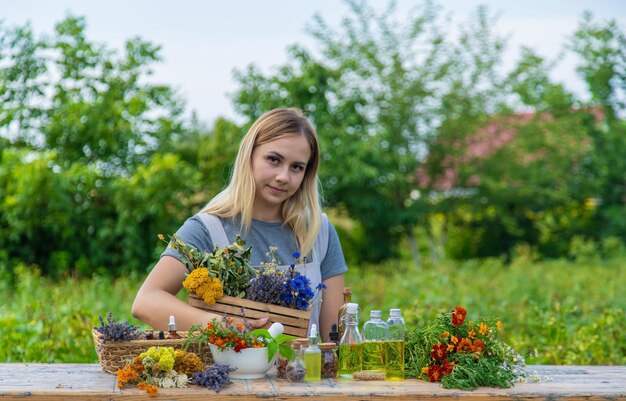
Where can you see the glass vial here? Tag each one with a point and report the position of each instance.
(329, 360)
(313, 357)
(394, 346)
(295, 370)
(171, 328)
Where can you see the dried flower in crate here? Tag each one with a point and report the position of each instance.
(113, 330)
(286, 287)
(269, 284)
(227, 267)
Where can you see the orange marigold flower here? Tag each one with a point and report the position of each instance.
(454, 339)
(482, 329)
(458, 316)
(478, 345)
(434, 373)
(465, 345)
(471, 334)
(499, 325)
(425, 369)
(240, 326)
(445, 334)
(446, 367)
(450, 347)
(439, 352)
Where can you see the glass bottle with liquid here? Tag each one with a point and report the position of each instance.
(347, 298)
(350, 353)
(313, 357)
(375, 333)
(394, 346)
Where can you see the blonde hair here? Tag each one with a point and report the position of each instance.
(301, 212)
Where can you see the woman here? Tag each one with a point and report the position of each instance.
(271, 200)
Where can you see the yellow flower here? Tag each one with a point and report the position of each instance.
(425, 369)
(499, 325)
(454, 339)
(471, 334)
(196, 278)
(483, 328)
(211, 291)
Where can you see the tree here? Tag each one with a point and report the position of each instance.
(81, 99)
(375, 99)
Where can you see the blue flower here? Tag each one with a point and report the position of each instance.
(296, 255)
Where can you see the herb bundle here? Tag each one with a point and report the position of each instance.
(225, 271)
(463, 354)
(286, 287)
(113, 330)
(157, 368)
(215, 377)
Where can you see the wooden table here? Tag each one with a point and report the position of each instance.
(90, 382)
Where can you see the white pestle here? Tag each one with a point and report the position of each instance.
(276, 329)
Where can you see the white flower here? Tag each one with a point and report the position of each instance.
(181, 380)
(167, 382)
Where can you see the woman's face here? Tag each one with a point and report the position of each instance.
(278, 168)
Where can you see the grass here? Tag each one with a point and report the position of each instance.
(560, 312)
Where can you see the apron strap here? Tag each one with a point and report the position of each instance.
(321, 242)
(215, 228)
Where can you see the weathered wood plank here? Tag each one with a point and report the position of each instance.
(90, 382)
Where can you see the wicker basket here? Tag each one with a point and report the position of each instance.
(296, 322)
(113, 355)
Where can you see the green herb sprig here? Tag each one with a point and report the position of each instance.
(231, 265)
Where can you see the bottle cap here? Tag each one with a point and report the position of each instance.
(276, 329)
(172, 325)
(395, 313)
(375, 314)
(352, 307)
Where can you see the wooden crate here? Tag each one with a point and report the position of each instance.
(296, 321)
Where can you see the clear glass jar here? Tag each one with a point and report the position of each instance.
(329, 360)
(295, 370)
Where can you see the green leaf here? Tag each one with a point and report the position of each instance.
(271, 350)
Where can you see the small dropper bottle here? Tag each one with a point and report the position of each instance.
(313, 357)
(171, 327)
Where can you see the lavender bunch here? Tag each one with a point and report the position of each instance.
(117, 331)
(267, 287)
(269, 284)
(215, 377)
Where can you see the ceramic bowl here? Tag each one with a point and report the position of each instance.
(251, 363)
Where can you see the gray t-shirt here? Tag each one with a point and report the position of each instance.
(260, 237)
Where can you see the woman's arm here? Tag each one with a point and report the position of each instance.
(332, 297)
(156, 299)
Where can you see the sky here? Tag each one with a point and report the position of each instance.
(204, 41)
